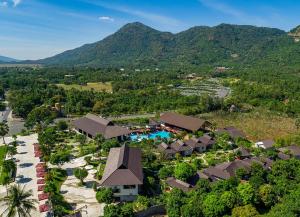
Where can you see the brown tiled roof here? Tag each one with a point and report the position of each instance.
(123, 167)
(94, 125)
(180, 146)
(175, 183)
(182, 121)
(268, 143)
(283, 156)
(233, 132)
(163, 147)
(228, 169)
(293, 149)
(205, 140)
(243, 151)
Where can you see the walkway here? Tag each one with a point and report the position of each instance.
(82, 196)
(26, 174)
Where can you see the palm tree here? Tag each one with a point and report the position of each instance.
(18, 202)
(3, 130)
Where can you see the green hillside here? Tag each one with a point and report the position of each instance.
(137, 45)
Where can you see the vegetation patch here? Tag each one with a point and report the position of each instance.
(257, 124)
(93, 86)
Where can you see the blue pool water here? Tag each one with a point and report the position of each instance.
(155, 135)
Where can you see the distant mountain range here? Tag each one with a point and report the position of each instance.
(4, 59)
(137, 45)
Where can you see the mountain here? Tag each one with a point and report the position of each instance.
(136, 44)
(4, 59)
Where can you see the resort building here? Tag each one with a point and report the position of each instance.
(228, 169)
(201, 144)
(243, 153)
(176, 183)
(265, 144)
(233, 132)
(184, 122)
(166, 150)
(123, 172)
(292, 150)
(182, 148)
(91, 125)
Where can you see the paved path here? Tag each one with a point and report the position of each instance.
(82, 196)
(26, 174)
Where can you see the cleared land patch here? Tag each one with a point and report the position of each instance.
(211, 86)
(96, 86)
(258, 124)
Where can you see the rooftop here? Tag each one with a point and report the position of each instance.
(183, 121)
(123, 167)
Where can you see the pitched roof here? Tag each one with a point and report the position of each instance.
(123, 167)
(182, 121)
(176, 183)
(94, 125)
(293, 149)
(180, 146)
(267, 143)
(233, 132)
(163, 147)
(205, 140)
(243, 151)
(228, 169)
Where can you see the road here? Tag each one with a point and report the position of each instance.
(4, 114)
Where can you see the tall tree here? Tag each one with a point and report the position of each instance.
(18, 202)
(3, 130)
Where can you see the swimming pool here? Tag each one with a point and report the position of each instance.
(155, 135)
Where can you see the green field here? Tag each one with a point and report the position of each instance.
(97, 86)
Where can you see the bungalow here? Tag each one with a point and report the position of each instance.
(176, 183)
(242, 152)
(228, 169)
(167, 150)
(293, 150)
(184, 122)
(123, 172)
(265, 144)
(91, 125)
(202, 143)
(182, 148)
(233, 132)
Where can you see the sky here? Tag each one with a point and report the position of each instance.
(34, 29)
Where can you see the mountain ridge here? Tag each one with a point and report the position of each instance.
(136, 44)
(4, 59)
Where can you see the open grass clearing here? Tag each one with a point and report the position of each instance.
(95, 86)
(257, 124)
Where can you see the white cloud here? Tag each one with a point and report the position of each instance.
(106, 18)
(154, 17)
(16, 2)
(3, 4)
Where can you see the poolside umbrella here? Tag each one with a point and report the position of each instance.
(40, 181)
(43, 196)
(41, 187)
(89, 167)
(44, 208)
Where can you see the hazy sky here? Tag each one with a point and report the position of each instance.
(32, 29)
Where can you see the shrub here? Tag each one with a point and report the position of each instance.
(104, 195)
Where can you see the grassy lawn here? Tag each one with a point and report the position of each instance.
(98, 87)
(2, 158)
(257, 124)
